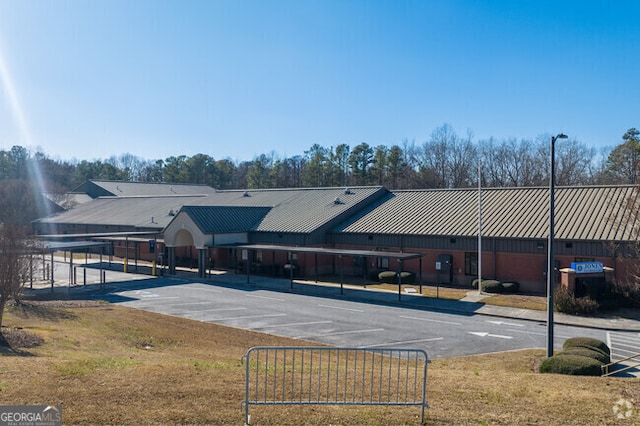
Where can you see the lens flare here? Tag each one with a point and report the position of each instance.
(11, 96)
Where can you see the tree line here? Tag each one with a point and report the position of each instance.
(445, 160)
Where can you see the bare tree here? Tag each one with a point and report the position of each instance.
(575, 163)
(462, 162)
(434, 162)
(14, 264)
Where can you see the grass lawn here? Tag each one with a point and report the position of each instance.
(108, 364)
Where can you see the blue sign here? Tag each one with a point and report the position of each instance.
(587, 267)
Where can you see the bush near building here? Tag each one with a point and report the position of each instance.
(495, 286)
(567, 303)
(391, 277)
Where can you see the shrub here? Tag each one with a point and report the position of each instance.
(588, 352)
(391, 277)
(586, 342)
(489, 286)
(625, 294)
(510, 287)
(474, 283)
(569, 304)
(407, 277)
(375, 273)
(572, 364)
(388, 277)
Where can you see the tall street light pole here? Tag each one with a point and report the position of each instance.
(550, 262)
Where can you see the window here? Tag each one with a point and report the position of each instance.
(382, 262)
(471, 263)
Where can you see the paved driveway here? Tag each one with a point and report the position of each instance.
(338, 321)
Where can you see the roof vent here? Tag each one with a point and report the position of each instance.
(337, 200)
(171, 212)
(246, 194)
(348, 191)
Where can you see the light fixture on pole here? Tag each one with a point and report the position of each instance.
(479, 228)
(550, 261)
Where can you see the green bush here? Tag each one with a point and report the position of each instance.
(510, 287)
(588, 352)
(474, 283)
(566, 302)
(407, 277)
(374, 275)
(489, 286)
(388, 277)
(391, 277)
(574, 365)
(586, 342)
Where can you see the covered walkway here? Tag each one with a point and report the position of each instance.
(340, 253)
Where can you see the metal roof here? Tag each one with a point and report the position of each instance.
(134, 189)
(141, 212)
(333, 251)
(212, 219)
(300, 210)
(582, 213)
(54, 246)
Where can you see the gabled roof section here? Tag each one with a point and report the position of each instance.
(297, 210)
(594, 213)
(145, 212)
(214, 219)
(69, 200)
(102, 188)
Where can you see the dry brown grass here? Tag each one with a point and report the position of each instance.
(538, 303)
(112, 365)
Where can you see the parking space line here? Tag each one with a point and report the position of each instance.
(405, 342)
(430, 320)
(266, 298)
(247, 317)
(341, 308)
(193, 303)
(293, 324)
(220, 310)
(339, 333)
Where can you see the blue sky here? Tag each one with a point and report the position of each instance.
(89, 79)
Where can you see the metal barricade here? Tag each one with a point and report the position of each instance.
(335, 376)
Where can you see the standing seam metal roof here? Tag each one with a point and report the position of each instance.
(212, 219)
(582, 213)
(295, 210)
